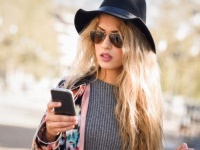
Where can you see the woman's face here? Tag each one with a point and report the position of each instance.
(109, 56)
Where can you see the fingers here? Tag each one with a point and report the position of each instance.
(56, 127)
(52, 105)
(58, 123)
(184, 146)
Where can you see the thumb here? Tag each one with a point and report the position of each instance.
(184, 145)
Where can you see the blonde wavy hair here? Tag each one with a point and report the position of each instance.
(138, 93)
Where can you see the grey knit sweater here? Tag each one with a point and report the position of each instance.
(101, 131)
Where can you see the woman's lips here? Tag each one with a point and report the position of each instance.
(105, 57)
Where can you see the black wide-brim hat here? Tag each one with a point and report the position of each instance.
(130, 10)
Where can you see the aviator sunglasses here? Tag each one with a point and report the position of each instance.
(98, 36)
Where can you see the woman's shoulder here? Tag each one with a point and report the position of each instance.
(76, 82)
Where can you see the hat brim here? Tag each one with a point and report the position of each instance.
(83, 18)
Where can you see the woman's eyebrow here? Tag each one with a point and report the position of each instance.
(115, 31)
(100, 28)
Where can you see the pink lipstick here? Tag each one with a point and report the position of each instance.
(105, 57)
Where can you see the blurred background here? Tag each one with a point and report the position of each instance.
(38, 42)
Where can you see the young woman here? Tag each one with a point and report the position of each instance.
(116, 78)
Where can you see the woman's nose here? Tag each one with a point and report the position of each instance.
(106, 42)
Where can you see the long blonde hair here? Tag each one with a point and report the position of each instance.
(138, 92)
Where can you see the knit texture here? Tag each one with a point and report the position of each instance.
(102, 130)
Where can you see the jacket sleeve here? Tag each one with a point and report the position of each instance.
(70, 139)
(39, 142)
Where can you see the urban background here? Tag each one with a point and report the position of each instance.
(38, 42)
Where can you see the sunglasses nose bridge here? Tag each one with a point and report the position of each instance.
(106, 42)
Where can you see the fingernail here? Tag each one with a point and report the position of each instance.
(59, 104)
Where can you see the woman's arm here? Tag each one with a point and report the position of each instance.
(55, 124)
(51, 128)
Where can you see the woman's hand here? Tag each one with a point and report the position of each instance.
(184, 147)
(56, 124)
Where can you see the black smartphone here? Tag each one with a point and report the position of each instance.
(65, 96)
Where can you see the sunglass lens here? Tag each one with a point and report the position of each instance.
(92, 36)
(116, 40)
(97, 36)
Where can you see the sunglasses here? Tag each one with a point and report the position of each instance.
(98, 36)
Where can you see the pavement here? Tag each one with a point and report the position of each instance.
(15, 137)
(20, 114)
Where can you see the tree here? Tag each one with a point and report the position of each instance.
(27, 39)
(176, 36)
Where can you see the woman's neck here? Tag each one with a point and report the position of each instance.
(109, 76)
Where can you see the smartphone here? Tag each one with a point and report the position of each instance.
(65, 96)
